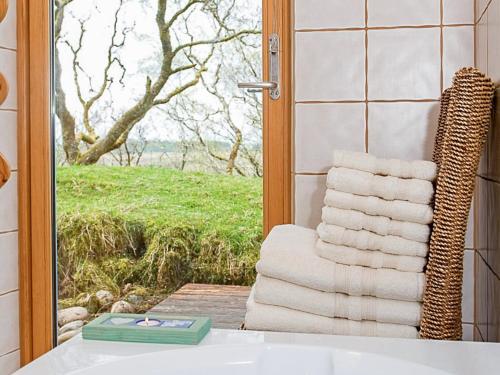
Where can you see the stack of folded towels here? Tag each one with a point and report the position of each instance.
(361, 271)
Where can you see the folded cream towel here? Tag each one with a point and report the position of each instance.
(288, 254)
(369, 258)
(365, 240)
(382, 225)
(387, 187)
(262, 317)
(396, 210)
(421, 169)
(335, 305)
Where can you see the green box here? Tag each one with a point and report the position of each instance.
(148, 328)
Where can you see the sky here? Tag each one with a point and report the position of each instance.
(140, 56)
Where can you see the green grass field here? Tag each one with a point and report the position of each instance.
(154, 228)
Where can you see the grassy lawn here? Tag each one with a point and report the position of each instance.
(154, 228)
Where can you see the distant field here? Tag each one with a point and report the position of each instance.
(155, 227)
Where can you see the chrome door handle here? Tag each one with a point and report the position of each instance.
(274, 72)
(258, 85)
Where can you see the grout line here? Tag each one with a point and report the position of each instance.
(8, 110)
(367, 101)
(366, 76)
(488, 265)
(366, 27)
(489, 179)
(483, 12)
(8, 49)
(310, 173)
(441, 44)
(476, 327)
(9, 352)
(9, 292)
(474, 33)
(9, 231)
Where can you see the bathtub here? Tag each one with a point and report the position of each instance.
(228, 352)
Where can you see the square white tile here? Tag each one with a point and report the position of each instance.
(8, 37)
(323, 14)
(8, 208)
(494, 40)
(321, 128)
(9, 277)
(309, 195)
(9, 363)
(403, 12)
(458, 51)
(330, 65)
(468, 288)
(458, 12)
(8, 138)
(402, 130)
(404, 64)
(9, 70)
(9, 310)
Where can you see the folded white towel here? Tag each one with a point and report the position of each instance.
(365, 240)
(335, 305)
(369, 258)
(262, 317)
(288, 254)
(382, 225)
(387, 187)
(421, 169)
(396, 210)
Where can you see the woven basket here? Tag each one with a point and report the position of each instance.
(463, 126)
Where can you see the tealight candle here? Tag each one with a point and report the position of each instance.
(148, 323)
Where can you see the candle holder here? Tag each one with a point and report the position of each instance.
(149, 328)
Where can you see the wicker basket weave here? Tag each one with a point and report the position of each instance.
(463, 126)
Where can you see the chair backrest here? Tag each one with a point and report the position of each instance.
(464, 122)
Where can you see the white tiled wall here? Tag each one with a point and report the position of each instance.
(9, 294)
(368, 76)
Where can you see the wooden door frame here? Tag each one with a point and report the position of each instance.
(35, 161)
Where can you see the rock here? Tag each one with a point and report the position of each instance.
(127, 288)
(67, 335)
(90, 302)
(135, 299)
(105, 298)
(71, 314)
(72, 326)
(122, 307)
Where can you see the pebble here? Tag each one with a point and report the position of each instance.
(71, 314)
(122, 307)
(104, 297)
(135, 299)
(72, 326)
(67, 335)
(90, 302)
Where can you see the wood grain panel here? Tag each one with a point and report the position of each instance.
(35, 178)
(278, 119)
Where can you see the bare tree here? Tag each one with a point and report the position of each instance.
(229, 129)
(184, 59)
(132, 151)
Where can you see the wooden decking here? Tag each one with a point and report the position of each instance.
(225, 304)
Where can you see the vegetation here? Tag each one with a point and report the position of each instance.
(154, 229)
